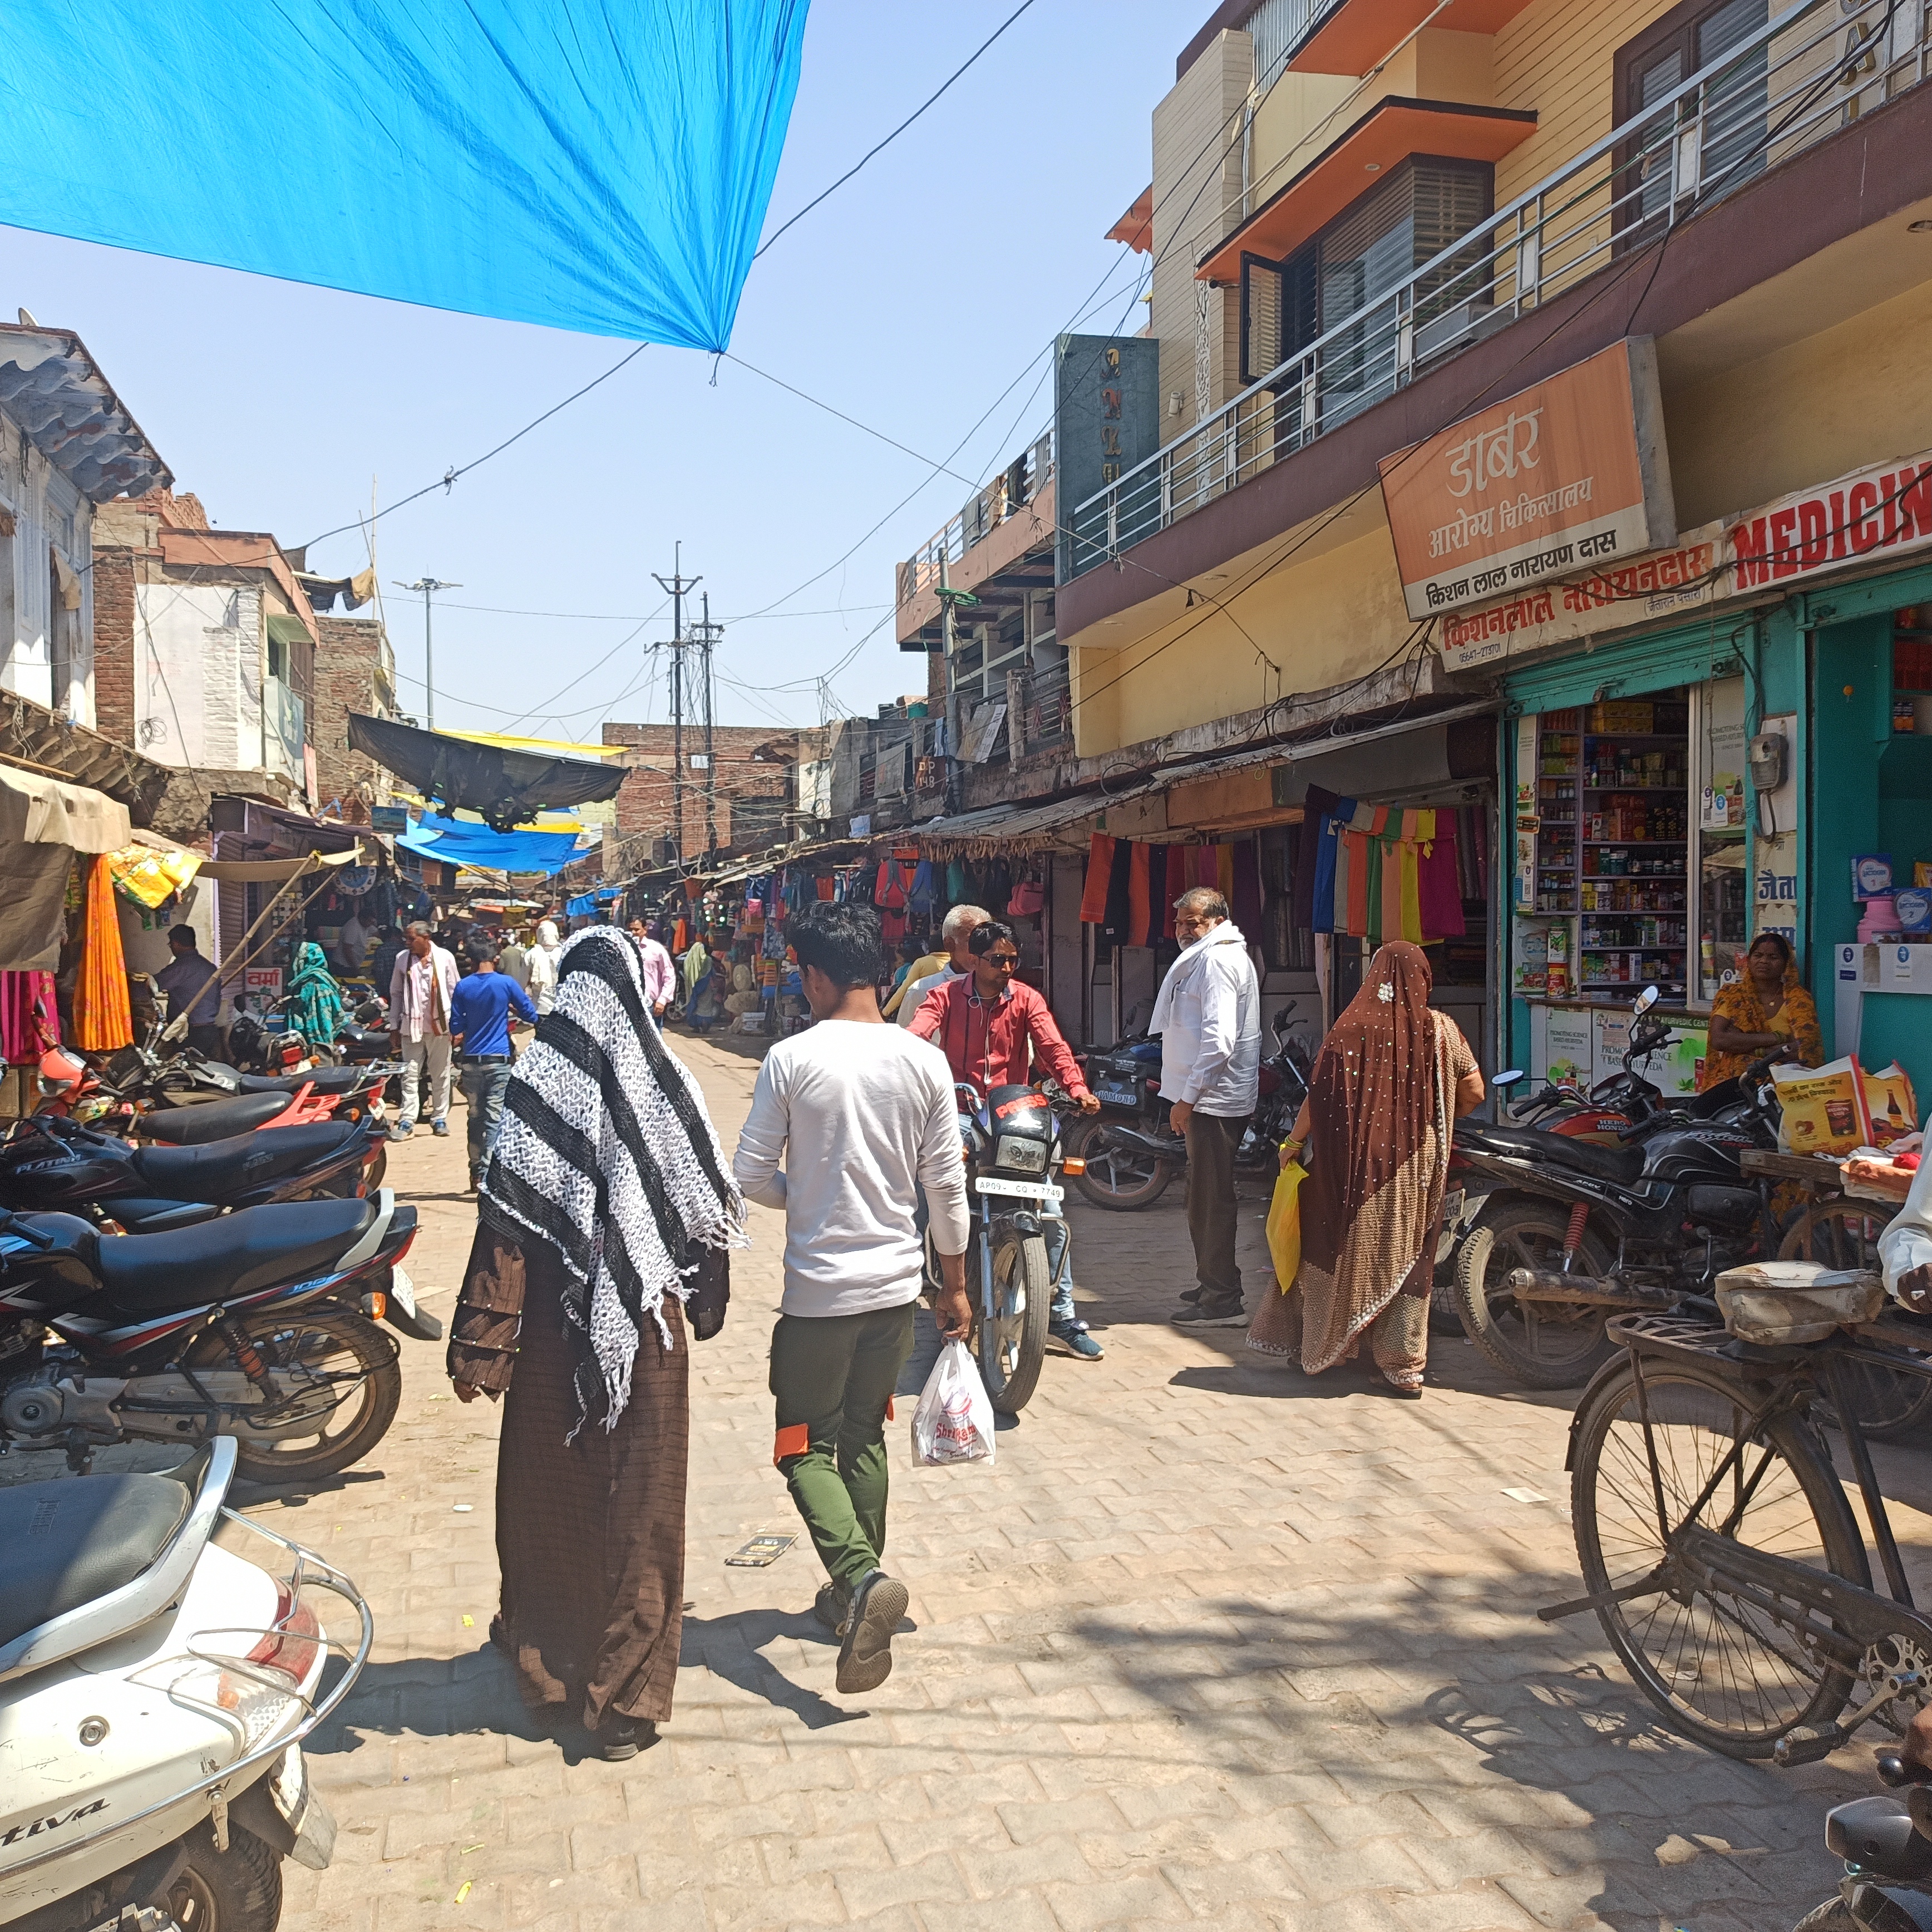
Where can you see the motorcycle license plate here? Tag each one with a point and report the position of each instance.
(1452, 1207)
(1115, 1097)
(1026, 1190)
(403, 1290)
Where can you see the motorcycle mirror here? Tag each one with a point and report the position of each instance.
(1508, 1079)
(1645, 1000)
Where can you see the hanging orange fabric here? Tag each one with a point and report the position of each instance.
(1099, 870)
(102, 1021)
(1140, 902)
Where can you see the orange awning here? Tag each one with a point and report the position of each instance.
(1358, 33)
(1135, 227)
(1389, 133)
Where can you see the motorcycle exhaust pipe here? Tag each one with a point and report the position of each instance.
(1113, 1135)
(1587, 1290)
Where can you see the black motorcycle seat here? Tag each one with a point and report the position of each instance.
(211, 1120)
(1621, 1164)
(322, 1079)
(67, 1543)
(258, 1248)
(218, 1168)
(360, 1036)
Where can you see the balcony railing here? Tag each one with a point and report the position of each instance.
(1018, 483)
(1809, 71)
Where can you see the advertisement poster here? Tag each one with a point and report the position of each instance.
(1567, 1046)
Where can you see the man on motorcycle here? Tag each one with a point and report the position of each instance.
(991, 1026)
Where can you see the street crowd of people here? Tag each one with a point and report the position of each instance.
(608, 1208)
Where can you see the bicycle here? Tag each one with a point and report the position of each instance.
(1717, 1546)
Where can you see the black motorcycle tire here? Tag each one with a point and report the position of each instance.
(1019, 1262)
(1506, 1236)
(1834, 1915)
(377, 1394)
(239, 1890)
(1155, 1174)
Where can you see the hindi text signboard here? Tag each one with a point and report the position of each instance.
(1567, 475)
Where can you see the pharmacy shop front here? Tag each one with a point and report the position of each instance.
(1630, 867)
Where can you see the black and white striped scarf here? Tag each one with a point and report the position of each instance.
(606, 1154)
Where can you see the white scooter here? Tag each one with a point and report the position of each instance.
(155, 1690)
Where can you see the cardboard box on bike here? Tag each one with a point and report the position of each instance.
(1781, 1303)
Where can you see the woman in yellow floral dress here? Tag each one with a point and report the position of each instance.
(1764, 1009)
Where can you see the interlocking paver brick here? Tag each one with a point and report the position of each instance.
(1210, 1643)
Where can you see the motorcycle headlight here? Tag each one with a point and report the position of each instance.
(1024, 1156)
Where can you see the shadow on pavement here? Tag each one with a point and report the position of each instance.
(731, 1647)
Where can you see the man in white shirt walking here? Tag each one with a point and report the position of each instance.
(1209, 1018)
(862, 1113)
(956, 931)
(421, 984)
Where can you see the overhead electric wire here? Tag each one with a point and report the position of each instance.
(879, 147)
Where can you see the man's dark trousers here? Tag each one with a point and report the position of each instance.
(1212, 1140)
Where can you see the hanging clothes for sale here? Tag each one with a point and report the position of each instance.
(888, 890)
(1224, 872)
(1115, 924)
(1316, 809)
(1140, 898)
(958, 887)
(920, 894)
(1177, 884)
(29, 1017)
(828, 888)
(1370, 871)
(1099, 869)
(102, 1019)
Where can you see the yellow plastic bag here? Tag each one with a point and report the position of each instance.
(1284, 1225)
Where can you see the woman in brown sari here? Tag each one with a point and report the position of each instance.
(1392, 1077)
(603, 1220)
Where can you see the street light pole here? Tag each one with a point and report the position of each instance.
(428, 586)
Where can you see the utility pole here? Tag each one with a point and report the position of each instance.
(706, 636)
(955, 772)
(679, 586)
(429, 587)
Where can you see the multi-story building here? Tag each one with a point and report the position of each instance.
(204, 646)
(69, 445)
(1559, 364)
(744, 801)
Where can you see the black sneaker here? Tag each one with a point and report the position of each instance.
(865, 1648)
(832, 1606)
(1219, 1311)
(621, 1737)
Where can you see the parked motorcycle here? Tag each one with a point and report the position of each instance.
(1570, 1233)
(257, 1325)
(49, 1165)
(154, 1693)
(1017, 1245)
(1131, 1153)
(1888, 1853)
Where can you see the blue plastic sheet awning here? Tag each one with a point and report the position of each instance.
(456, 841)
(586, 166)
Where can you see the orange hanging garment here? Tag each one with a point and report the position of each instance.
(102, 1021)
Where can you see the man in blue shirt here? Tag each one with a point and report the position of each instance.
(479, 1030)
(192, 987)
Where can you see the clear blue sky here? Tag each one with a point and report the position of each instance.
(910, 301)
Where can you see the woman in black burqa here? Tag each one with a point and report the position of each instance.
(603, 1221)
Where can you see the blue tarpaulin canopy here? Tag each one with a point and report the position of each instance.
(587, 167)
(456, 841)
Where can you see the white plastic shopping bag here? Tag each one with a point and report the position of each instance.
(954, 1420)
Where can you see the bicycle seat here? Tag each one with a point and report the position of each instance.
(211, 1120)
(1621, 1164)
(320, 1079)
(69, 1542)
(216, 1169)
(260, 1247)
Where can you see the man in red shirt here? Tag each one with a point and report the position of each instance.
(991, 1026)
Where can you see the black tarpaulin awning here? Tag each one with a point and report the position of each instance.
(507, 788)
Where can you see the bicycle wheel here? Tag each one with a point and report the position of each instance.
(1726, 1673)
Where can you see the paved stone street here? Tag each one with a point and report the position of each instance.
(1210, 1643)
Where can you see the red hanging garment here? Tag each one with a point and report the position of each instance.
(1177, 884)
(1140, 907)
(1099, 869)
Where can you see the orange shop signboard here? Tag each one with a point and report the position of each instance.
(1568, 474)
